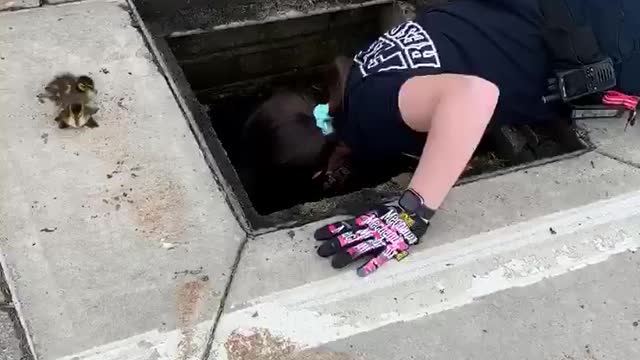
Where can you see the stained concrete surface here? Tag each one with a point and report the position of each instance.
(478, 207)
(106, 232)
(18, 4)
(591, 314)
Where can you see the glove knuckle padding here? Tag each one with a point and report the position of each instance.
(383, 233)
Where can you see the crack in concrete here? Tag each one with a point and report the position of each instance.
(618, 159)
(223, 299)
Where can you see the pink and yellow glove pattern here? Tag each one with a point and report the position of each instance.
(383, 233)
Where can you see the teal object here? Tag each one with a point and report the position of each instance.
(323, 119)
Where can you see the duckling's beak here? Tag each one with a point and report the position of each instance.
(90, 89)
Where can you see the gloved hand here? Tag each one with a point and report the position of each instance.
(384, 233)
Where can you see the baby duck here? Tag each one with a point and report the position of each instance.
(76, 115)
(74, 96)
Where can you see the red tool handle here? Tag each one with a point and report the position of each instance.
(617, 98)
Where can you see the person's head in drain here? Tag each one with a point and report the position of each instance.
(428, 89)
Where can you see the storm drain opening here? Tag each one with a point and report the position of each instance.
(232, 70)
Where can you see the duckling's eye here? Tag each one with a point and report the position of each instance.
(82, 87)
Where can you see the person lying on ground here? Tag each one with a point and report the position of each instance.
(430, 88)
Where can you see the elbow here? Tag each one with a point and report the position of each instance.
(482, 91)
(483, 96)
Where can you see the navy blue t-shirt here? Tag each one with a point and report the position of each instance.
(482, 38)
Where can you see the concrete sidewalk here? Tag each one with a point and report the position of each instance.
(108, 232)
(118, 244)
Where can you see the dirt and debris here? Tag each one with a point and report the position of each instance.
(119, 169)
(48, 230)
(45, 138)
(635, 324)
(169, 246)
(257, 344)
(590, 355)
(483, 163)
(261, 344)
(121, 104)
(188, 305)
(159, 208)
(104, 70)
(552, 231)
(197, 271)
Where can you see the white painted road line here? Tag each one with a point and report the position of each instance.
(443, 278)
(154, 344)
(427, 282)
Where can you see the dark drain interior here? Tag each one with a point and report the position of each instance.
(231, 71)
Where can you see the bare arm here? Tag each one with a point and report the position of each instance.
(455, 110)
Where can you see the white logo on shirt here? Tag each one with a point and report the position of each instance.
(406, 46)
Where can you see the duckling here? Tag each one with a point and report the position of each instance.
(74, 96)
(76, 115)
(60, 85)
(85, 85)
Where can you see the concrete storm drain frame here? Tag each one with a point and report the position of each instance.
(224, 58)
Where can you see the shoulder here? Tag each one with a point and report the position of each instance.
(437, 85)
(421, 96)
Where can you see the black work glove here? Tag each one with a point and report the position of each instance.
(384, 233)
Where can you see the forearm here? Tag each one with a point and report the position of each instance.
(456, 127)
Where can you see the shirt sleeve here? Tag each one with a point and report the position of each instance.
(374, 126)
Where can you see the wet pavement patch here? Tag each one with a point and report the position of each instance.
(224, 74)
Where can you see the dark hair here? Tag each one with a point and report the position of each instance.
(282, 133)
(284, 149)
(338, 168)
(337, 79)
